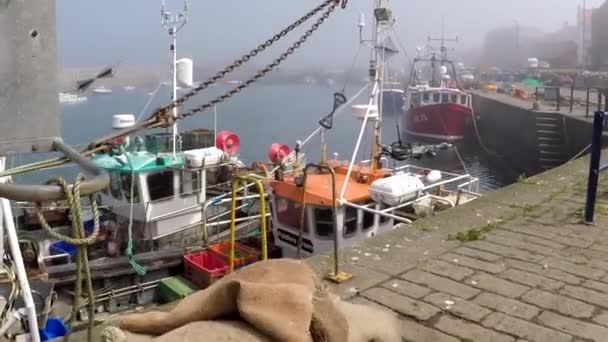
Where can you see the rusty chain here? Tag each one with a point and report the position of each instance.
(163, 118)
(297, 44)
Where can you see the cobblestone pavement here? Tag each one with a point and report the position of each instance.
(538, 275)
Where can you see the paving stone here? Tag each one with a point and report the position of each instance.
(561, 304)
(363, 301)
(586, 295)
(406, 288)
(572, 241)
(474, 263)
(440, 284)
(404, 305)
(578, 270)
(602, 318)
(474, 253)
(506, 251)
(546, 272)
(531, 279)
(458, 306)
(470, 331)
(506, 305)
(596, 285)
(520, 244)
(524, 329)
(494, 284)
(447, 269)
(529, 238)
(573, 326)
(415, 332)
(534, 232)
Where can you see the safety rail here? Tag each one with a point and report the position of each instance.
(264, 232)
(336, 276)
(599, 122)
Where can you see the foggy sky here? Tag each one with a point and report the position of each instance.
(94, 32)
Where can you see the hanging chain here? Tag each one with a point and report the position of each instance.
(265, 70)
(162, 116)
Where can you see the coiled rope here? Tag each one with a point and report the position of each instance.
(80, 241)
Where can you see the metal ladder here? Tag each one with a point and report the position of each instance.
(550, 138)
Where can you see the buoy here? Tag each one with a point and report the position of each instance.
(228, 142)
(278, 152)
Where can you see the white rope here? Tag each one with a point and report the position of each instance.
(154, 93)
(318, 130)
(356, 151)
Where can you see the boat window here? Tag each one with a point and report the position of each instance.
(324, 222)
(368, 221)
(115, 185)
(125, 180)
(463, 100)
(350, 222)
(436, 97)
(189, 183)
(445, 98)
(454, 98)
(416, 99)
(289, 214)
(160, 185)
(426, 97)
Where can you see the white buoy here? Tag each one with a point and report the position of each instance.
(185, 72)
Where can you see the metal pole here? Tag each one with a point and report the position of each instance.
(571, 97)
(594, 167)
(559, 98)
(26, 292)
(599, 100)
(587, 103)
(173, 33)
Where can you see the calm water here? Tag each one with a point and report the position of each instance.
(262, 115)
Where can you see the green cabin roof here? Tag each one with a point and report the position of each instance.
(139, 161)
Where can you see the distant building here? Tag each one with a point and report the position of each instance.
(599, 38)
(584, 18)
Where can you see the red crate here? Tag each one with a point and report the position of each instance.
(243, 254)
(204, 268)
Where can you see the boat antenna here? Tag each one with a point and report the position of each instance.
(173, 23)
(443, 48)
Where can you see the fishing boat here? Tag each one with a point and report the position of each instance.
(342, 203)
(436, 106)
(68, 98)
(101, 90)
(393, 100)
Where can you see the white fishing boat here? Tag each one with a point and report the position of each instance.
(69, 98)
(101, 90)
(128, 88)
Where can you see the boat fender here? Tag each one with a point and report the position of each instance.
(434, 176)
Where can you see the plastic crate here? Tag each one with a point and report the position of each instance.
(243, 254)
(175, 288)
(61, 248)
(204, 268)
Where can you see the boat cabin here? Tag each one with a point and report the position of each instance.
(423, 96)
(352, 225)
(161, 192)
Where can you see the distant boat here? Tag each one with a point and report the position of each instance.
(235, 82)
(102, 90)
(128, 88)
(67, 98)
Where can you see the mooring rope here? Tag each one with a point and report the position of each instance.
(80, 241)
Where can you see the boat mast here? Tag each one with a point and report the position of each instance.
(174, 23)
(443, 49)
(382, 20)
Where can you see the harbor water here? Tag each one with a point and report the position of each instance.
(262, 115)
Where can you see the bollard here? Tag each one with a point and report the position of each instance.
(594, 167)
